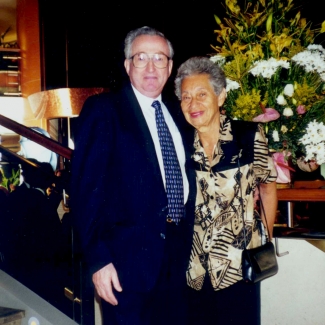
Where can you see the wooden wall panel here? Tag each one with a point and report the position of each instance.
(28, 37)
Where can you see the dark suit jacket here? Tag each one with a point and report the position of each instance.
(118, 198)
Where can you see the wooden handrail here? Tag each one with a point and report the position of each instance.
(36, 137)
(301, 194)
(303, 191)
(17, 157)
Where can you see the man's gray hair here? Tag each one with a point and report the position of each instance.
(145, 30)
(200, 65)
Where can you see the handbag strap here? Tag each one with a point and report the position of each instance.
(264, 214)
(244, 135)
(242, 204)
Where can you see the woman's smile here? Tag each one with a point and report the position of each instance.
(196, 114)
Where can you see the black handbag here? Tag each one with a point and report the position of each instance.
(258, 263)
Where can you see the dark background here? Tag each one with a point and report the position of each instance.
(91, 34)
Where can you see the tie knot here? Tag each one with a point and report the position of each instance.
(156, 104)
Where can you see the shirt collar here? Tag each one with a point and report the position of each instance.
(144, 100)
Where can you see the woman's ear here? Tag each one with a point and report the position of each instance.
(222, 97)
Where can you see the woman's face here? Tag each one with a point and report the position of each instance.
(200, 104)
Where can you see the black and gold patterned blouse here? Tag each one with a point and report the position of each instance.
(218, 231)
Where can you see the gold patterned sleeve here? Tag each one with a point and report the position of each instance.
(263, 164)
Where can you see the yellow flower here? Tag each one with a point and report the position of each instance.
(323, 27)
(248, 105)
(256, 53)
(279, 42)
(232, 5)
(295, 48)
(284, 129)
(304, 95)
(302, 23)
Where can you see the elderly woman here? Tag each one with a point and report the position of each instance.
(224, 149)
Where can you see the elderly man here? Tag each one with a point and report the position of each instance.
(130, 191)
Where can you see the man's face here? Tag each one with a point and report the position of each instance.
(149, 80)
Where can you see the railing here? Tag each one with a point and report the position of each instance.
(16, 157)
(77, 308)
(36, 137)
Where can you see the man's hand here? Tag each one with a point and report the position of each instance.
(105, 280)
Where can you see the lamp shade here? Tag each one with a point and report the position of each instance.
(61, 102)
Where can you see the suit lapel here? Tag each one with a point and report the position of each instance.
(137, 122)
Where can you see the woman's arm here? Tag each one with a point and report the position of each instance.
(268, 196)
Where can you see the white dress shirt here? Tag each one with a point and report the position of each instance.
(149, 115)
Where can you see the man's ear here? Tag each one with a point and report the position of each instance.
(127, 65)
(170, 67)
(222, 97)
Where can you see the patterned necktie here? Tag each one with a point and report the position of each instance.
(173, 174)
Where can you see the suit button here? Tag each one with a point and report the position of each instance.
(162, 236)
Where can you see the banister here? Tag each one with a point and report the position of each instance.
(18, 158)
(36, 137)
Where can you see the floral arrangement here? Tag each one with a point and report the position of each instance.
(275, 74)
(314, 142)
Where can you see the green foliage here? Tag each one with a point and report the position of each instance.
(13, 179)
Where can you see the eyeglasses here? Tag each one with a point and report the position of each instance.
(140, 60)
